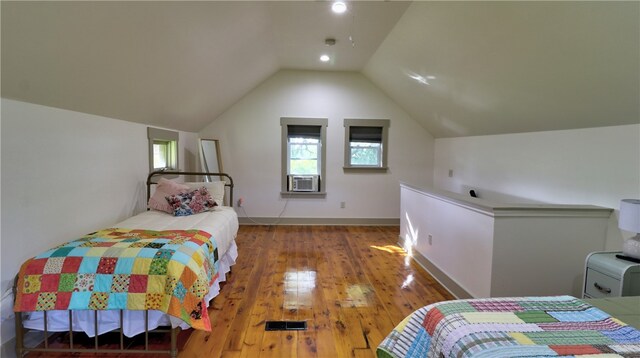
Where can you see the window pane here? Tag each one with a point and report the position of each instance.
(366, 154)
(303, 166)
(303, 155)
(160, 154)
(303, 151)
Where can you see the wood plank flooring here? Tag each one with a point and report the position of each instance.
(352, 284)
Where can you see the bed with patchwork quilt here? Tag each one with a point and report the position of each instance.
(561, 326)
(159, 268)
(118, 269)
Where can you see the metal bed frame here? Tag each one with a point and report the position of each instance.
(21, 350)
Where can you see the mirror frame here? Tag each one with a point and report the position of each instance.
(203, 162)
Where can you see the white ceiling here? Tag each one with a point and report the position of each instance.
(506, 67)
(499, 67)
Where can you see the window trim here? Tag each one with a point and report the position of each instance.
(298, 121)
(162, 135)
(354, 122)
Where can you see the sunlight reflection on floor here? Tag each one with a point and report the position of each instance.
(358, 296)
(392, 249)
(298, 289)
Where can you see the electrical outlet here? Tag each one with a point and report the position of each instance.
(240, 202)
(430, 237)
(343, 204)
(450, 173)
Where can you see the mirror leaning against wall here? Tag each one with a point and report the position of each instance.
(210, 160)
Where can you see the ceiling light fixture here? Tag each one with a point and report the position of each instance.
(325, 58)
(339, 7)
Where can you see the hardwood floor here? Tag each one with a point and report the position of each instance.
(351, 284)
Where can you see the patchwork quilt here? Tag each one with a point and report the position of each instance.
(170, 271)
(560, 326)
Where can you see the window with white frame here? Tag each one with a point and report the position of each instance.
(366, 143)
(163, 149)
(303, 151)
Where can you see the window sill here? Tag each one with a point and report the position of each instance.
(301, 194)
(365, 169)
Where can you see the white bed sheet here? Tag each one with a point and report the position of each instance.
(222, 224)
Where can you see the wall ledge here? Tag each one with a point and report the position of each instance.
(494, 209)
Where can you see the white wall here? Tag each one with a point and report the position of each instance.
(65, 174)
(464, 252)
(481, 245)
(597, 166)
(250, 136)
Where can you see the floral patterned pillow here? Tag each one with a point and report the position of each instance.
(191, 203)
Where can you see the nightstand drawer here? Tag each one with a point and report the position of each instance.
(600, 285)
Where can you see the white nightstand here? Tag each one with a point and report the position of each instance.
(608, 276)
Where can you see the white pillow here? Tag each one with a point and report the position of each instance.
(215, 188)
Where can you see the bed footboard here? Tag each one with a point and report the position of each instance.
(21, 349)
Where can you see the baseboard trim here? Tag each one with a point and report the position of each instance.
(449, 284)
(8, 348)
(319, 221)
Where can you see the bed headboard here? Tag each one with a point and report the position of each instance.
(157, 174)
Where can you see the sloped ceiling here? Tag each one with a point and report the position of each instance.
(499, 67)
(506, 67)
(173, 64)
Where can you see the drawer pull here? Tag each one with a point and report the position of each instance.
(603, 289)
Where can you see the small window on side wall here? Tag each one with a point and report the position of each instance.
(163, 149)
(366, 144)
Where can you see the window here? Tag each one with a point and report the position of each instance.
(164, 154)
(365, 146)
(303, 153)
(366, 143)
(163, 149)
(304, 146)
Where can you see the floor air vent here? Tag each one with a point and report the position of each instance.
(285, 326)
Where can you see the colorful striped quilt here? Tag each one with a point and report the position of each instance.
(170, 271)
(561, 326)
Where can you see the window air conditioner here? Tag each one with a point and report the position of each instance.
(303, 182)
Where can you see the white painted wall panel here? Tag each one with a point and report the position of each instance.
(595, 166)
(495, 250)
(249, 134)
(462, 239)
(65, 174)
(538, 256)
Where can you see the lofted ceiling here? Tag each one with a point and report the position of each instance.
(458, 68)
(507, 67)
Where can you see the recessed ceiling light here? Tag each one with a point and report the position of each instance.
(339, 7)
(325, 58)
